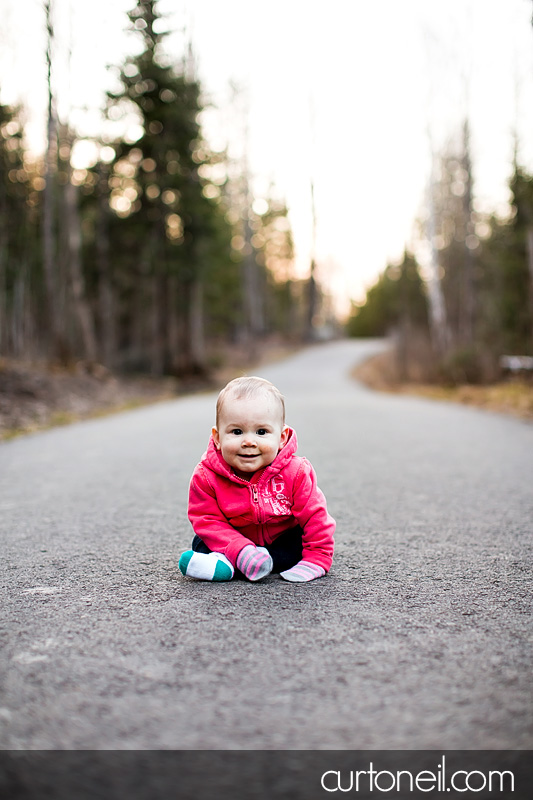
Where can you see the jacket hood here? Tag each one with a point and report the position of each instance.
(212, 458)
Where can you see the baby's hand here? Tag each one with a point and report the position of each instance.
(254, 562)
(302, 572)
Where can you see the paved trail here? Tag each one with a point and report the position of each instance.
(420, 637)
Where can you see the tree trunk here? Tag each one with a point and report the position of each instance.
(106, 295)
(59, 346)
(4, 325)
(440, 333)
(467, 299)
(311, 303)
(196, 326)
(18, 313)
(159, 357)
(48, 242)
(77, 284)
(530, 265)
(312, 294)
(253, 303)
(173, 332)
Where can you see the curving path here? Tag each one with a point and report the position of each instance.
(420, 637)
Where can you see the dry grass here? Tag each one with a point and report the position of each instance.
(34, 396)
(511, 396)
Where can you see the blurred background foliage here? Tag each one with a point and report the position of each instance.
(157, 258)
(154, 258)
(484, 268)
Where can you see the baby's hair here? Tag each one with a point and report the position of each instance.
(250, 387)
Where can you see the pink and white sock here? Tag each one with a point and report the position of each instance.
(302, 572)
(254, 562)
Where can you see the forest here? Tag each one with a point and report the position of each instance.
(456, 318)
(156, 257)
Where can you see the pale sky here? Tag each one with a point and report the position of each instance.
(343, 93)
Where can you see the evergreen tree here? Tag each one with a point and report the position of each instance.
(17, 236)
(508, 293)
(395, 301)
(457, 243)
(170, 226)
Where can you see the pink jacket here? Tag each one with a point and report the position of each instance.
(228, 512)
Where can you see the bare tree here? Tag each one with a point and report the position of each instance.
(440, 332)
(253, 308)
(195, 321)
(252, 293)
(49, 244)
(3, 260)
(529, 242)
(467, 310)
(312, 300)
(312, 293)
(106, 294)
(71, 221)
(197, 325)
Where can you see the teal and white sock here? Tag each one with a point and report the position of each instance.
(254, 562)
(302, 572)
(206, 566)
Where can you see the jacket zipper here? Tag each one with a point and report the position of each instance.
(255, 496)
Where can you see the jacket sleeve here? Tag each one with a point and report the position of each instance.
(310, 510)
(209, 522)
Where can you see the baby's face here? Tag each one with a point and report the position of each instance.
(250, 433)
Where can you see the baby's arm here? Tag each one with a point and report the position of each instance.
(310, 510)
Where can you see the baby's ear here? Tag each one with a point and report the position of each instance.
(284, 437)
(216, 438)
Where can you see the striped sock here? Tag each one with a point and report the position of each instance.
(254, 562)
(206, 566)
(302, 572)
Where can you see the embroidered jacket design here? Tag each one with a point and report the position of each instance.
(274, 495)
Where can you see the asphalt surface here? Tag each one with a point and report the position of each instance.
(420, 637)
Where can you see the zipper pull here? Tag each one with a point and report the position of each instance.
(255, 496)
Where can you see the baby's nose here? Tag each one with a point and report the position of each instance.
(249, 441)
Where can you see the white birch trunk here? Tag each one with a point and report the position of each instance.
(437, 308)
(530, 265)
(48, 235)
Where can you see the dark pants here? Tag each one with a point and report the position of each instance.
(286, 550)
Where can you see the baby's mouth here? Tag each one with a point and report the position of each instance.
(249, 455)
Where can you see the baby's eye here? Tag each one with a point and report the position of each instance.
(237, 431)
(262, 431)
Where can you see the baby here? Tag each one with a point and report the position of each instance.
(254, 505)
